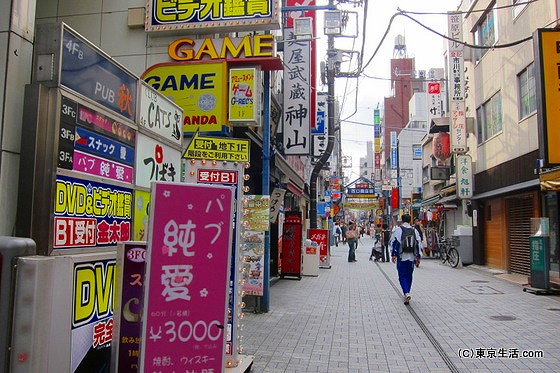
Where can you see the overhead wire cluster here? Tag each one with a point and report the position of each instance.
(407, 14)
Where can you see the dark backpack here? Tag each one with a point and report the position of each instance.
(408, 240)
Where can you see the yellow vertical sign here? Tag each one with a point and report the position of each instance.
(243, 98)
(550, 57)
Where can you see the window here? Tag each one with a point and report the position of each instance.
(485, 33)
(527, 92)
(489, 118)
(517, 9)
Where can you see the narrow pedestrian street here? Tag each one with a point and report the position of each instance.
(351, 318)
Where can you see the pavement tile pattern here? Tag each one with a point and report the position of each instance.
(351, 318)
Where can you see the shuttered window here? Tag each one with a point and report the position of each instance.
(519, 214)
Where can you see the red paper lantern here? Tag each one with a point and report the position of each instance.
(441, 146)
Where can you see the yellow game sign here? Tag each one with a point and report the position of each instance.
(200, 89)
(218, 149)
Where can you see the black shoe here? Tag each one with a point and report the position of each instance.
(370, 259)
(406, 298)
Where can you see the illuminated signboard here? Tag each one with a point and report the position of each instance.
(90, 214)
(163, 15)
(250, 46)
(88, 71)
(218, 149)
(92, 314)
(93, 143)
(244, 96)
(199, 89)
(187, 278)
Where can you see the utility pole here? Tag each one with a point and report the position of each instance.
(331, 66)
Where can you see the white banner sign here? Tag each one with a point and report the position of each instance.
(456, 58)
(297, 97)
(458, 127)
(464, 177)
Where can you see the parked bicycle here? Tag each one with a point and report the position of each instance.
(448, 253)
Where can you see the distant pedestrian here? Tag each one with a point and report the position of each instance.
(385, 237)
(352, 235)
(344, 228)
(405, 252)
(337, 233)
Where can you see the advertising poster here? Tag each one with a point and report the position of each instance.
(90, 214)
(253, 262)
(321, 236)
(256, 210)
(131, 266)
(187, 278)
(141, 214)
(92, 315)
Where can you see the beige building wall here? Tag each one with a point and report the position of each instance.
(497, 71)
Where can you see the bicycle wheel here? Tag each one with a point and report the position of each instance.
(443, 254)
(453, 257)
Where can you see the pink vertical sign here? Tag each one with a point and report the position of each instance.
(187, 275)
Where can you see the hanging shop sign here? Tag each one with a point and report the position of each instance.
(465, 187)
(90, 214)
(297, 97)
(218, 149)
(187, 278)
(87, 70)
(162, 15)
(159, 115)
(276, 203)
(458, 127)
(244, 96)
(434, 101)
(320, 133)
(198, 88)
(456, 57)
(156, 161)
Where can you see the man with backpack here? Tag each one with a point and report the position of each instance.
(406, 253)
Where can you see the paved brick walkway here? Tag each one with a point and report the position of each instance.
(351, 318)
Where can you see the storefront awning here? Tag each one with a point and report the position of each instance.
(430, 200)
(507, 189)
(550, 180)
(449, 202)
(289, 172)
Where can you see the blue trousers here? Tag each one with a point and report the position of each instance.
(405, 269)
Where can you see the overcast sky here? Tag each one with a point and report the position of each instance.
(426, 47)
